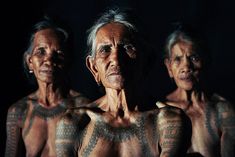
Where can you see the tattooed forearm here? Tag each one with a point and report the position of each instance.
(66, 135)
(13, 134)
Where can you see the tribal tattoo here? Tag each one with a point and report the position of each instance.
(170, 126)
(15, 119)
(118, 135)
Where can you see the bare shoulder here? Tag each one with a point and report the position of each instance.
(222, 105)
(170, 112)
(20, 106)
(79, 98)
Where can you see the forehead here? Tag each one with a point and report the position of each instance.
(112, 31)
(182, 47)
(46, 36)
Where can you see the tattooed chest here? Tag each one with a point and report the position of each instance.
(134, 140)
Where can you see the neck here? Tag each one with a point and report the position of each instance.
(50, 95)
(118, 102)
(184, 99)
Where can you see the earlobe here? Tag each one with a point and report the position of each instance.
(167, 64)
(92, 67)
(28, 59)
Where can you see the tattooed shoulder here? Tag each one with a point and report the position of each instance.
(171, 127)
(17, 112)
(69, 131)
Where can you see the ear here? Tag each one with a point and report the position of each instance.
(167, 64)
(28, 60)
(90, 63)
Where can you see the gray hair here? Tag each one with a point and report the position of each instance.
(175, 37)
(112, 15)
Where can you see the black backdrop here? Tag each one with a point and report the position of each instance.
(217, 18)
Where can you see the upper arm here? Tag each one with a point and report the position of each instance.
(226, 114)
(171, 128)
(67, 136)
(13, 131)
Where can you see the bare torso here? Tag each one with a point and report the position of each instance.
(93, 132)
(36, 125)
(205, 126)
(136, 136)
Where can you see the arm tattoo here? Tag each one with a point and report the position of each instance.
(226, 114)
(170, 126)
(13, 133)
(66, 134)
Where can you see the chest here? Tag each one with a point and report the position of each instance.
(137, 139)
(39, 136)
(205, 137)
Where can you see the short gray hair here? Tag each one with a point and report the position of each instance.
(112, 15)
(175, 37)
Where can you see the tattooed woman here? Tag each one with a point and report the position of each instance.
(32, 120)
(115, 125)
(212, 117)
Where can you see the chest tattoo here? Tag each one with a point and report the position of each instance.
(118, 135)
(44, 113)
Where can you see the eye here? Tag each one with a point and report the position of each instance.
(40, 51)
(195, 58)
(129, 47)
(105, 49)
(177, 59)
(60, 52)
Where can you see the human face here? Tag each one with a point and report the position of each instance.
(115, 57)
(184, 65)
(47, 58)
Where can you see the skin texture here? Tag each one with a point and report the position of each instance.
(212, 118)
(32, 120)
(113, 124)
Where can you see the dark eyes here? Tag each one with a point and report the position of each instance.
(105, 49)
(129, 48)
(42, 51)
(192, 58)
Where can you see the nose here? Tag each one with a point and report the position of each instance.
(49, 58)
(115, 57)
(186, 65)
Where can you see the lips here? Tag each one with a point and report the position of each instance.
(114, 71)
(46, 70)
(186, 76)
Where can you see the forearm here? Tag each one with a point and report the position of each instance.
(12, 142)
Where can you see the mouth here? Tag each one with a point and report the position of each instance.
(186, 77)
(46, 71)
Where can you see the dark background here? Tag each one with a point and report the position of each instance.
(215, 18)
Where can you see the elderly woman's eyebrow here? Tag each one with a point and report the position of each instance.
(104, 45)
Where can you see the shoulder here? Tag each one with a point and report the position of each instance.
(221, 104)
(79, 98)
(20, 106)
(170, 112)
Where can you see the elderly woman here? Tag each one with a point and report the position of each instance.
(113, 125)
(32, 120)
(211, 116)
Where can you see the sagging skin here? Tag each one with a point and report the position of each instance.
(32, 120)
(113, 125)
(212, 117)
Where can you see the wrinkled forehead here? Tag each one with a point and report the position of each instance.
(181, 47)
(47, 36)
(113, 32)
